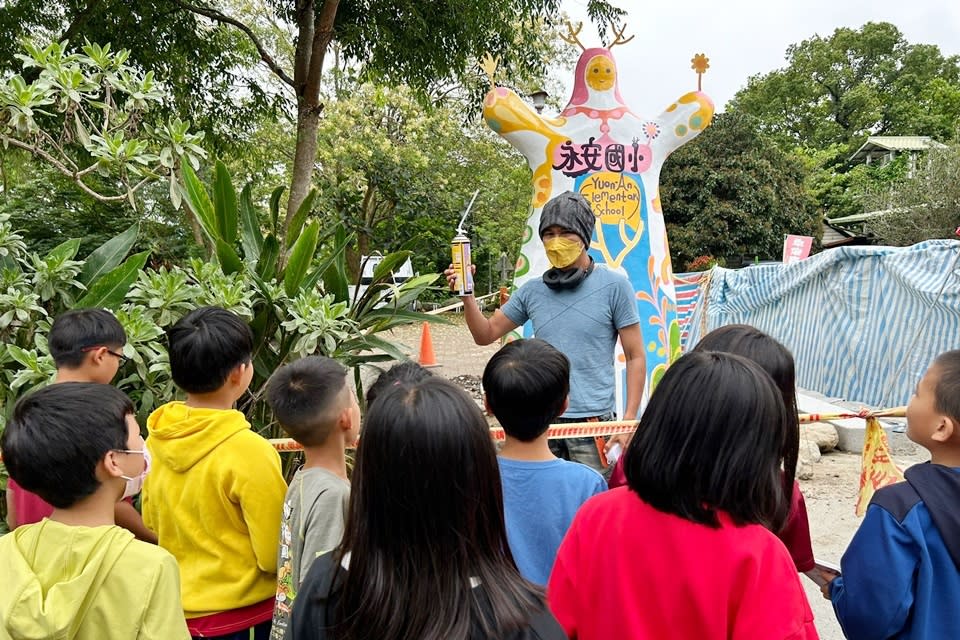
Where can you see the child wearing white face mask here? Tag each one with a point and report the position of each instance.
(87, 346)
(77, 574)
(135, 483)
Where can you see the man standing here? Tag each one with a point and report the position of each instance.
(579, 308)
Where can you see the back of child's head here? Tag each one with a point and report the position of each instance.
(711, 440)
(766, 351)
(57, 436)
(526, 384)
(427, 434)
(947, 391)
(307, 396)
(74, 332)
(777, 361)
(205, 346)
(426, 518)
(405, 372)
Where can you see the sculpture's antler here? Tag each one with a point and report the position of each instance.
(489, 65)
(571, 35)
(618, 35)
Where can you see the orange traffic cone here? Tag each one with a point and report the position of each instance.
(427, 357)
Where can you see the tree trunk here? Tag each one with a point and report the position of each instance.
(315, 31)
(355, 256)
(308, 120)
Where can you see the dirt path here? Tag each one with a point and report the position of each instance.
(830, 495)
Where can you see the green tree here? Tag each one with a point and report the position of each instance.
(212, 64)
(424, 44)
(399, 174)
(853, 83)
(921, 206)
(731, 194)
(87, 117)
(85, 113)
(48, 209)
(840, 190)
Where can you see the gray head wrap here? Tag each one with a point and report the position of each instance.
(571, 211)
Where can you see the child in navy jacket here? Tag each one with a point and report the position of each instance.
(901, 572)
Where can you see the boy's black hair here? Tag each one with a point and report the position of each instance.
(947, 393)
(76, 330)
(59, 434)
(404, 372)
(526, 383)
(205, 346)
(303, 396)
(711, 440)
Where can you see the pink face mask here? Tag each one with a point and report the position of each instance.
(135, 483)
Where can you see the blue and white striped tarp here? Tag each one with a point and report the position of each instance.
(863, 323)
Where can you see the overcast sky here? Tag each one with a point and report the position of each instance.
(743, 38)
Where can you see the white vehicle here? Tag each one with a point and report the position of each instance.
(369, 264)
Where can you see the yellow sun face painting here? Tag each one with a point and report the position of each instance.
(601, 73)
(600, 148)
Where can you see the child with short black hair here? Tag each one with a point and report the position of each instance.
(76, 574)
(525, 386)
(901, 572)
(215, 492)
(314, 404)
(87, 346)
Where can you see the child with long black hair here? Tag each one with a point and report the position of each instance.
(696, 519)
(425, 551)
(775, 359)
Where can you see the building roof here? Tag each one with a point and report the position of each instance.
(869, 215)
(863, 217)
(895, 143)
(834, 236)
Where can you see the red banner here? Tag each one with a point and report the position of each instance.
(796, 248)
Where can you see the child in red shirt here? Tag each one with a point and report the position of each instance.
(704, 493)
(776, 360)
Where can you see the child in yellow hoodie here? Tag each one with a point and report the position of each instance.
(215, 491)
(76, 575)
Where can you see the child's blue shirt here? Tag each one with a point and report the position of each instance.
(901, 572)
(540, 499)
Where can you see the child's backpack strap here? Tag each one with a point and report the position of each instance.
(546, 627)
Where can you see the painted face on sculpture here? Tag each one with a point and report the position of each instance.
(601, 73)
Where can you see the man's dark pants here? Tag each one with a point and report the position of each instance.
(583, 450)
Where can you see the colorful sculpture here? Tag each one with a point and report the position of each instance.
(600, 148)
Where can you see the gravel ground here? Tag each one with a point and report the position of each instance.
(830, 495)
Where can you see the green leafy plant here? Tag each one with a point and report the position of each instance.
(292, 287)
(55, 274)
(36, 289)
(83, 113)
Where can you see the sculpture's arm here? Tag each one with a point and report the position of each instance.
(681, 122)
(507, 114)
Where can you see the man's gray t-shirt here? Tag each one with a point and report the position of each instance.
(314, 516)
(583, 323)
